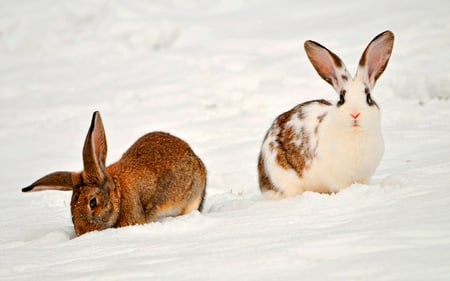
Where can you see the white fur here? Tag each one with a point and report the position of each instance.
(346, 155)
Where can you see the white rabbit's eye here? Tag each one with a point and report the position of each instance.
(369, 100)
(93, 203)
(341, 99)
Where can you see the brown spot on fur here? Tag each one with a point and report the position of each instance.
(337, 61)
(319, 119)
(271, 146)
(265, 184)
(294, 147)
(363, 60)
(321, 102)
(344, 77)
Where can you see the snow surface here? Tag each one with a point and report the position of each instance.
(216, 73)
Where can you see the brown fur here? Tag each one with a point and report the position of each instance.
(319, 119)
(265, 184)
(158, 175)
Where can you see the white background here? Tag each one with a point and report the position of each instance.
(216, 73)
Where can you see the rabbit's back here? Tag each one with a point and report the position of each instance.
(158, 176)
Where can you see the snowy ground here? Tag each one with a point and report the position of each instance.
(216, 73)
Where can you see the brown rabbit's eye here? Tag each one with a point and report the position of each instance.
(93, 203)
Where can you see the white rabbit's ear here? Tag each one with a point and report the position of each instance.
(94, 151)
(329, 66)
(375, 58)
(54, 181)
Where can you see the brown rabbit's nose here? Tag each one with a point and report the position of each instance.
(355, 115)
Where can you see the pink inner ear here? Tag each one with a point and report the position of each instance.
(327, 64)
(99, 143)
(325, 71)
(99, 140)
(94, 150)
(376, 56)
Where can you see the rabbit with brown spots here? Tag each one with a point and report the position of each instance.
(325, 146)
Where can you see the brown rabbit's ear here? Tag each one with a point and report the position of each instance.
(94, 151)
(329, 66)
(55, 181)
(375, 57)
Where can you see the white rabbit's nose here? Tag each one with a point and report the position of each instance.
(355, 115)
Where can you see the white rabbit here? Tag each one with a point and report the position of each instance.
(325, 146)
(158, 176)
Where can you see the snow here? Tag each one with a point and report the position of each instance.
(216, 73)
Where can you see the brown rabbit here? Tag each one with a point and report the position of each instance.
(158, 176)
